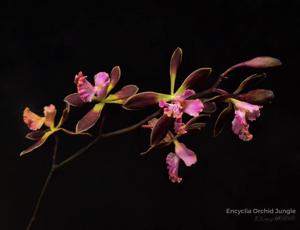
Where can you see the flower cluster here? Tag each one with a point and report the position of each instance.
(181, 109)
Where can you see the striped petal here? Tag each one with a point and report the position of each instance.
(90, 118)
(172, 161)
(84, 87)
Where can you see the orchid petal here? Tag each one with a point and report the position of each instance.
(84, 87)
(36, 144)
(209, 107)
(115, 75)
(101, 84)
(160, 129)
(221, 120)
(64, 115)
(50, 113)
(35, 135)
(174, 64)
(145, 99)
(194, 126)
(185, 154)
(32, 120)
(172, 161)
(179, 127)
(257, 63)
(121, 96)
(90, 118)
(258, 96)
(240, 126)
(193, 107)
(249, 81)
(74, 99)
(195, 77)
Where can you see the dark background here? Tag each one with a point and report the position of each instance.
(112, 187)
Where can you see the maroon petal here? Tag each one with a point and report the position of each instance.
(258, 96)
(145, 99)
(209, 107)
(174, 64)
(36, 144)
(194, 78)
(89, 119)
(224, 116)
(249, 81)
(115, 75)
(161, 129)
(199, 125)
(121, 96)
(257, 63)
(35, 135)
(74, 99)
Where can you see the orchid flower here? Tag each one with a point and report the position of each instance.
(176, 102)
(181, 151)
(35, 122)
(99, 94)
(246, 107)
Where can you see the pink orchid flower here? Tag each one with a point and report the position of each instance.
(98, 93)
(244, 111)
(181, 153)
(176, 103)
(173, 159)
(35, 122)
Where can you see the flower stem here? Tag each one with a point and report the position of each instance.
(106, 135)
(53, 167)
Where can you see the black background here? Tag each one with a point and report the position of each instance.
(112, 187)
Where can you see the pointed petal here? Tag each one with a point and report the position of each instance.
(115, 75)
(101, 84)
(258, 96)
(172, 161)
(194, 78)
(174, 64)
(36, 144)
(145, 99)
(50, 113)
(257, 63)
(74, 99)
(222, 118)
(193, 107)
(161, 129)
(121, 96)
(89, 119)
(185, 154)
(32, 120)
(64, 115)
(249, 81)
(84, 88)
(35, 135)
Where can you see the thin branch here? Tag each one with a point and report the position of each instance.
(106, 135)
(53, 167)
